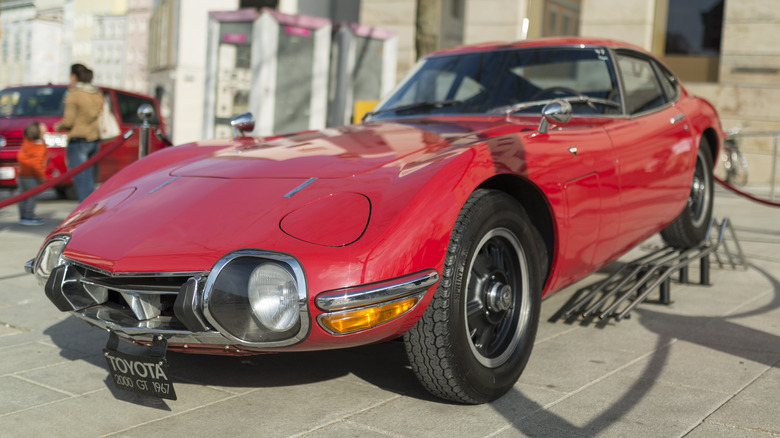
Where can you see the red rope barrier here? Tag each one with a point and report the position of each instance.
(112, 146)
(746, 194)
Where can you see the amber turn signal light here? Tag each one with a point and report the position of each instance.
(360, 319)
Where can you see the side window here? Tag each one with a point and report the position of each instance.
(669, 82)
(643, 91)
(128, 109)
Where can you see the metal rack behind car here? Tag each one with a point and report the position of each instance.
(631, 284)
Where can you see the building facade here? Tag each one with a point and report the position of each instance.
(30, 43)
(722, 49)
(108, 50)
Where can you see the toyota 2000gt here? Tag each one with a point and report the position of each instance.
(493, 176)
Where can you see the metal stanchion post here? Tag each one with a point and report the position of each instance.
(145, 113)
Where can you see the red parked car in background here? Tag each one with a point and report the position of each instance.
(46, 103)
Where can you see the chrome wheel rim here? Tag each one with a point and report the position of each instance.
(699, 198)
(497, 302)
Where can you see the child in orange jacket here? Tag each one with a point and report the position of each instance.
(32, 157)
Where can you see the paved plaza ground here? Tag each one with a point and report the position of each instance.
(706, 365)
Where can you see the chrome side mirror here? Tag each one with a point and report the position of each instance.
(557, 111)
(242, 124)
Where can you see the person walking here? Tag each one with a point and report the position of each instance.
(32, 158)
(83, 104)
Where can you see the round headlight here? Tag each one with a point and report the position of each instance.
(273, 296)
(257, 298)
(49, 258)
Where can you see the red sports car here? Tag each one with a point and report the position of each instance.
(493, 176)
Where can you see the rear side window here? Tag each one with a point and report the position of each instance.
(669, 82)
(128, 109)
(643, 91)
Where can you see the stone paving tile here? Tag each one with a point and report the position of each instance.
(107, 411)
(688, 365)
(756, 407)
(269, 412)
(628, 335)
(401, 416)
(30, 356)
(20, 337)
(76, 377)
(566, 367)
(530, 429)
(31, 315)
(8, 330)
(348, 429)
(17, 395)
(709, 430)
(621, 406)
(75, 336)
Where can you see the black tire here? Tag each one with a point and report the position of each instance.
(494, 268)
(690, 227)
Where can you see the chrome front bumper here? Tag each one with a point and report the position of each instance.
(141, 306)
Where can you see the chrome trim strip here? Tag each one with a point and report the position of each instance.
(164, 184)
(374, 293)
(303, 302)
(144, 330)
(300, 187)
(28, 267)
(184, 274)
(134, 291)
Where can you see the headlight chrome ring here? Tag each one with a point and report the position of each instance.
(49, 257)
(258, 298)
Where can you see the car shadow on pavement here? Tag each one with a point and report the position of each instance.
(381, 365)
(717, 333)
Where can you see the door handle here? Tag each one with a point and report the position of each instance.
(676, 119)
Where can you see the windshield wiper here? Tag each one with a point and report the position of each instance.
(415, 105)
(590, 101)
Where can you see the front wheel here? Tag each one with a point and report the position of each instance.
(476, 335)
(690, 228)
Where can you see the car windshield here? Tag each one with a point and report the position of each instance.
(33, 101)
(506, 81)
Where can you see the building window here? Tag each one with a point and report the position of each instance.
(561, 17)
(691, 37)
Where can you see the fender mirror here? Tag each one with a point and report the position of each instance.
(242, 124)
(557, 111)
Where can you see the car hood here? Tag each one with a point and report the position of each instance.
(330, 153)
(17, 123)
(186, 219)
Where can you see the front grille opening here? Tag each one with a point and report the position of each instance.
(165, 308)
(144, 296)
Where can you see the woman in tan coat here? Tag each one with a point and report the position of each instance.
(83, 104)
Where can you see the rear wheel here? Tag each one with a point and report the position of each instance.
(690, 228)
(476, 335)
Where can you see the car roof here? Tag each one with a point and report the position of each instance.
(567, 41)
